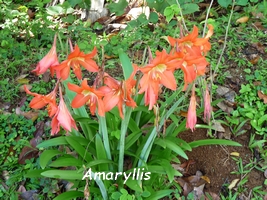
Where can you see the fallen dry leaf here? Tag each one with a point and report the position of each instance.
(233, 184)
(236, 154)
(21, 88)
(198, 192)
(217, 126)
(242, 19)
(205, 178)
(262, 96)
(21, 189)
(255, 60)
(212, 195)
(33, 115)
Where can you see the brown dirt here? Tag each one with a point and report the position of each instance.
(215, 162)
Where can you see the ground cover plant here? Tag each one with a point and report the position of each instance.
(121, 103)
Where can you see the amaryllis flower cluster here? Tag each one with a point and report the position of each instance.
(187, 53)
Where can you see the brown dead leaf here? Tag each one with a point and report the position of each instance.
(21, 189)
(258, 25)
(217, 126)
(262, 96)
(257, 83)
(29, 152)
(212, 195)
(198, 192)
(259, 46)
(46, 77)
(258, 15)
(183, 113)
(242, 19)
(33, 115)
(255, 60)
(31, 194)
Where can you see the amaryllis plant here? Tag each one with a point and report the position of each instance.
(126, 122)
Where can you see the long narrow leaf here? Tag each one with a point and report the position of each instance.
(126, 64)
(69, 195)
(100, 153)
(64, 162)
(79, 149)
(160, 194)
(53, 142)
(63, 174)
(46, 156)
(171, 145)
(198, 143)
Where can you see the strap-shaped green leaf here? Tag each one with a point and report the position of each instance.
(100, 152)
(46, 156)
(36, 173)
(64, 162)
(160, 194)
(198, 143)
(69, 195)
(79, 149)
(126, 64)
(53, 142)
(171, 145)
(63, 174)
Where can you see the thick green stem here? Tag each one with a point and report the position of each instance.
(104, 132)
(124, 126)
(149, 143)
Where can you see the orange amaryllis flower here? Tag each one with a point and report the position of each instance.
(75, 59)
(191, 114)
(89, 96)
(207, 105)
(192, 41)
(192, 67)
(159, 71)
(120, 93)
(39, 101)
(48, 61)
(62, 118)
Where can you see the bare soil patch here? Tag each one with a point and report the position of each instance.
(215, 162)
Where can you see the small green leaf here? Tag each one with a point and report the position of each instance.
(153, 17)
(242, 2)
(47, 155)
(118, 8)
(225, 3)
(189, 8)
(73, 3)
(55, 10)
